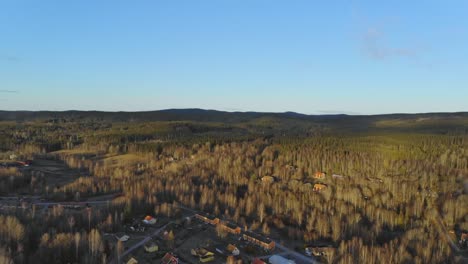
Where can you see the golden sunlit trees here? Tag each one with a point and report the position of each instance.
(390, 190)
(11, 229)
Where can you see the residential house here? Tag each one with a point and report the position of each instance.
(151, 247)
(268, 179)
(149, 220)
(319, 186)
(205, 259)
(207, 218)
(259, 240)
(230, 228)
(200, 252)
(123, 238)
(233, 250)
(132, 260)
(374, 179)
(169, 259)
(337, 176)
(319, 175)
(319, 251)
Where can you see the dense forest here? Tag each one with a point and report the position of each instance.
(375, 188)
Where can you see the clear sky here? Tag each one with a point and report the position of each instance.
(313, 57)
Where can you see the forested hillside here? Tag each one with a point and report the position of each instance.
(374, 188)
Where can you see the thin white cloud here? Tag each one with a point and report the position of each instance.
(375, 46)
(9, 58)
(9, 91)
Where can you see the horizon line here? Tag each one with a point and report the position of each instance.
(244, 112)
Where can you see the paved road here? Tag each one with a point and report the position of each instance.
(148, 238)
(445, 234)
(36, 201)
(142, 242)
(298, 257)
(440, 227)
(70, 203)
(19, 197)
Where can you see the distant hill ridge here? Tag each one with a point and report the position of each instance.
(202, 115)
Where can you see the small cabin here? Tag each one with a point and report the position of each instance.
(132, 260)
(169, 259)
(337, 176)
(149, 220)
(200, 252)
(374, 179)
(319, 186)
(319, 175)
(233, 250)
(151, 247)
(268, 179)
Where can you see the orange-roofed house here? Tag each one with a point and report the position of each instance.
(319, 186)
(149, 220)
(230, 228)
(319, 175)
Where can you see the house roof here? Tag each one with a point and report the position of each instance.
(169, 258)
(258, 261)
(258, 237)
(150, 244)
(268, 178)
(320, 185)
(209, 216)
(231, 247)
(230, 225)
(148, 217)
(132, 260)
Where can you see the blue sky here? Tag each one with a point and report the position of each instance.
(314, 57)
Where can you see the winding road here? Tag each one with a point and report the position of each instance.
(440, 227)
